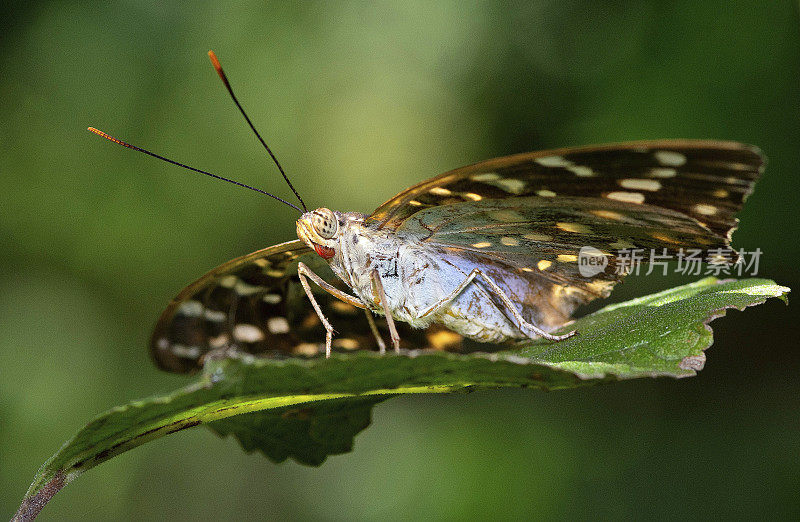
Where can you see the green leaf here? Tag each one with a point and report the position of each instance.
(308, 409)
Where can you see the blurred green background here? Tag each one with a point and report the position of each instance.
(360, 100)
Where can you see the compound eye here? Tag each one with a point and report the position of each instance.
(325, 223)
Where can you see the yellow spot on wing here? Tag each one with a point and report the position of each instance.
(720, 193)
(440, 191)
(345, 343)
(515, 186)
(507, 216)
(473, 196)
(664, 237)
(443, 339)
(706, 210)
(535, 236)
(576, 228)
(306, 349)
(544, 264)
(622, 245)
(509, 241)
(482, 244)
(546, 193)
(567, 258)
(608, 214)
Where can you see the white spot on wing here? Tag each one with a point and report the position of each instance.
(272, 299)
(215, 316)
(581, 171)
(246, 289)
(670, 158)
(663, 173)
(640, 184)
(228, 281)
(191, 309)
(247, 333)
(186, 352)
(485, 176)
(553, 161)
(509, 241)
(627, 197)
(278, 325)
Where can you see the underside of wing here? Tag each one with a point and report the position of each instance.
(255, 304)
(705, 180)
(542, 240)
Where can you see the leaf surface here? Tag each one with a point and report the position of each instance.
(308, 409)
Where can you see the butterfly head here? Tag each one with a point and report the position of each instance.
(319, 229)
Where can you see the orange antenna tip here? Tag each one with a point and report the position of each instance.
(214, 60)
(217, 66)
(110, 138)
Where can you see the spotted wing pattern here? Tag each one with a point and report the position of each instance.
(705, 180)
(255, 304)
(531, 243)
(528, 216)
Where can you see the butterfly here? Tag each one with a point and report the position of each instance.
(486, 253)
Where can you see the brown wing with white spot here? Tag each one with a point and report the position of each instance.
(255, 304)
(528, 216)
(706, 180)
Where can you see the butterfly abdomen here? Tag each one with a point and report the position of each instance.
(421, 283)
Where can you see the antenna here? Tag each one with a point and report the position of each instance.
(221, 73)
(124, 144)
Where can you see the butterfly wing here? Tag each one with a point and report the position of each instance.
(706, 180)
(525, 218)
(255, 304)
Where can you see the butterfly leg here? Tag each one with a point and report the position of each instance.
(374, 328)
(521, 322)
(304, 273)
(395, 337)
